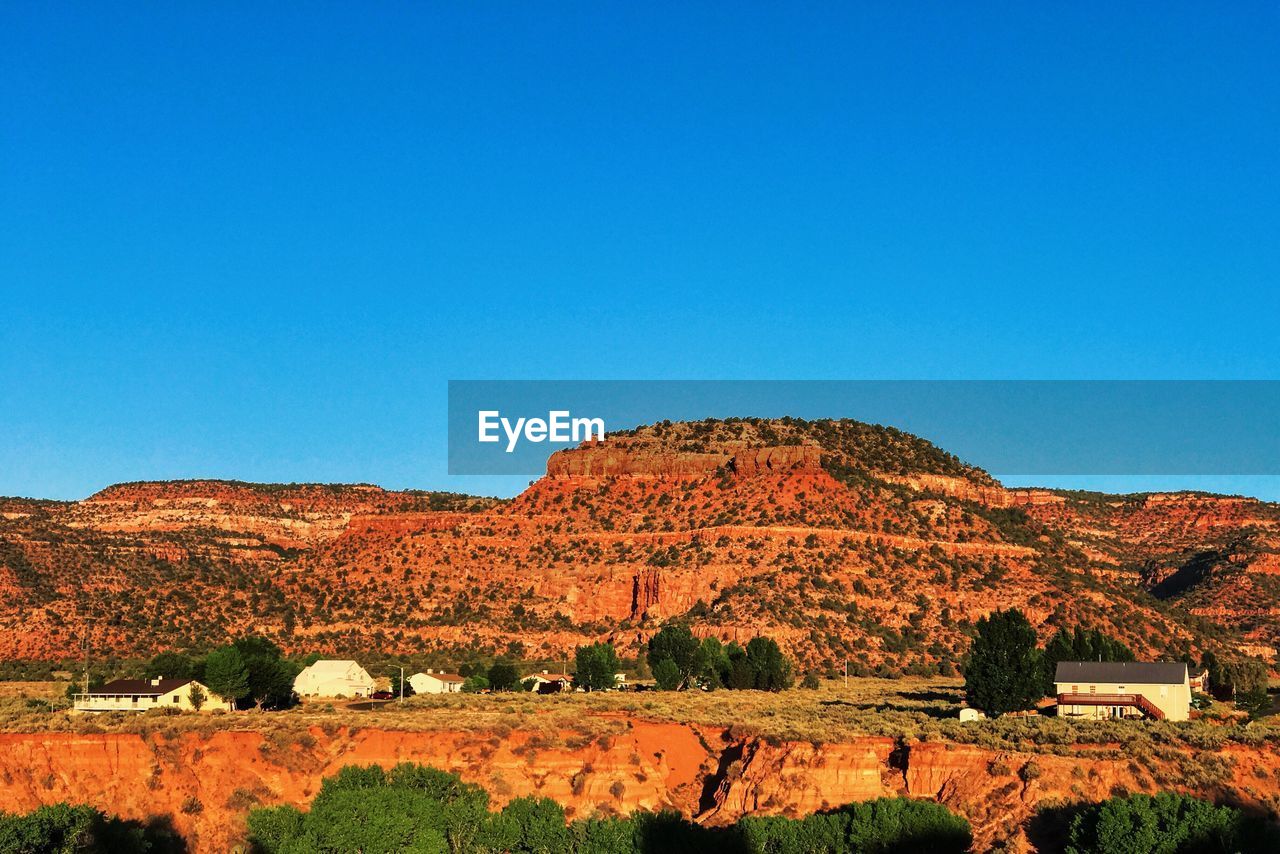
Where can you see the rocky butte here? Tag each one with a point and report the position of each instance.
(843, 540)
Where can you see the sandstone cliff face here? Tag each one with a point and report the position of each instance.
(829, 535)
(648, 460)
(207, 783)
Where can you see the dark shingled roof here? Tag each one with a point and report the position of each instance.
(1122, 672)
(141, 687)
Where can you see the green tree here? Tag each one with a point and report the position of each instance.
(675, 643)
(712, 664)
(475, 683)
(596, 666)
(226, 675)
(401, 687)
(667, 675)
(881, 825)
(270, 675)
(197, 696)
(503, 676)
(1255, 701)
(1209, 662)
(1004, 672)
(769, 667)
(170, 665)
(526, 826)
(741, 675)
(1165, 824)
(1244, 675)
(413, 808)
(66, 829)
(410, 808)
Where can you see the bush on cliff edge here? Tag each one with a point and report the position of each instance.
(413, 808)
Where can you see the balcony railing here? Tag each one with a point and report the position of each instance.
(1137, 701)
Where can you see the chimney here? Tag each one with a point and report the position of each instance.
(429, 670)
(156, 681)
(544, 672)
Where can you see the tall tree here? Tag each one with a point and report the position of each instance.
(170, 665)
(712, 664)
(226, 675)
(503, 676)
(770, 669)
(1080, 645)
(676, 644)
(1004, 671)
(666, 675)
(597, 666)
(270, 675)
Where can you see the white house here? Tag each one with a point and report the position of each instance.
(433, 682)
(550, 683)
(139, 695)
(332, 678)
(1160, 690)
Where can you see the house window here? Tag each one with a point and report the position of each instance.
(1075, 689)
(175, 699)
(135, 701)
(1093, 689)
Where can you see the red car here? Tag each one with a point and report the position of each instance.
(382, 695)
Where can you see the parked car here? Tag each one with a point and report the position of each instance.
(382, 695)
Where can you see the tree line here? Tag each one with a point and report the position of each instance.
(416, 808)
(679, 661)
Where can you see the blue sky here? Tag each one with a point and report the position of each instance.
(257, 246)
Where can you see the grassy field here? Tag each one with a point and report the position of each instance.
(911, 709)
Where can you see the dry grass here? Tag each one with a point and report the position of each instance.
(909, 709)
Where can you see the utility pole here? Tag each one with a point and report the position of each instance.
(86, 658)
(402, 683)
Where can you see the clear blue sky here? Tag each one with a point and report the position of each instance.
(243, 245)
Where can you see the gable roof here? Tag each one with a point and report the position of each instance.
(331, 668)
(1122, 672)
(141, 687)
(443, 677)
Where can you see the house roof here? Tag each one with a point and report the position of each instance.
(141, 687)
(331, 668)
(551, 677)
(443, 677)
(1122, 672)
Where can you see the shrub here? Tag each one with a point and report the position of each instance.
(1166, 823)
(65, 828)
(885, 824)
(417, 808)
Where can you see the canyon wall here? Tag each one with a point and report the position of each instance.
(206, 782)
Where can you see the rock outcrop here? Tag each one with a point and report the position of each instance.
(206, 783)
